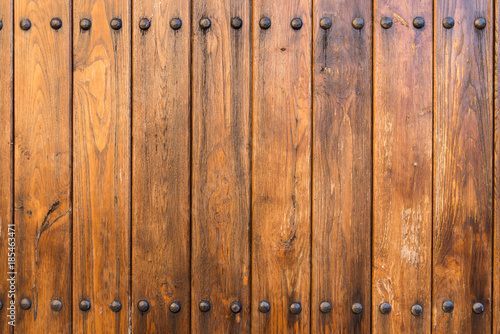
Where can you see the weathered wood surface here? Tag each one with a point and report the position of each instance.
(463, 139)
(42, 158)
(221, 166)
(281, 163)
(101, 129)
(402, 171)
(496, 180)
(161, 172)
(6, 154)
(342, 167)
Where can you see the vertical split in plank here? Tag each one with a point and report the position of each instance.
(221, 166)
(402, 197)
(463, 138)
(281, 186)
(101, 165)
(161, 159)
(43, 165)
(342, 166)
(6, 155)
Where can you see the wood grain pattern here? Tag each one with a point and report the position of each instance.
(6, 154)
(161, 173)
(342, 166)
(496, 179)
(101, 106)
(43, 165)
(402, 175)
(281, 160)
(463, 138)
(221, 166)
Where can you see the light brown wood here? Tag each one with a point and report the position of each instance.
(161, 167)
(101, 110)
(43, 165)
(342, 166)
(463, 139)
(6, 160)
(281, 162)
(402, 171)
(221, 166)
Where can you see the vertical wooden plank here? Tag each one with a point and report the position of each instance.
(402, 215)
(6, 160)
(496, 179)
(43, 165)
(101, 107)
(161, 173)
(281, 160)
(221, 166)
(342, 166)
(463, 138)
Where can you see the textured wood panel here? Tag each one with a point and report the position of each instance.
(101, 107)
(281, 161)
(6, 152)
(43, 165)
(402, 176)
(221, 166)
(463, 138)
(496, 181)
(161, 173)
(342, 165)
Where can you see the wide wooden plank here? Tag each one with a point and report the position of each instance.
(42, 165)
(161, 160)
(281, 163)
(402, 176)
(463, 139)
(6, 162)
(342, 165)
(101, 129)
(221, 166)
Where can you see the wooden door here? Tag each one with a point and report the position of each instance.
(238, 166)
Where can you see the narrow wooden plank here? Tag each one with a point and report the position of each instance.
(6, 162)
(43, 165)
(402, 215)
(496, 180)
(101, 142)
(221, 166)
(463, 138)
(281, 160)
(342, 166)
(161, 173)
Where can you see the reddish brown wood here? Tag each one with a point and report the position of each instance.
(161, 173)
(43, 165)
(342, 166)
(221, 166)
(496, 180)
(281, 161)
(463, 160)
(101, 110)
(402, 179)
(6, 160)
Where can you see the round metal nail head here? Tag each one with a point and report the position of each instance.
(204, 306)
(417, 310)
(264, 307)
(116, 24)
(448, 22)
(296, 23)
(25, 24)
(448, 306)
(56, 23)
(175, 23)
(144, 24)
(25, 304)
(358, 23)
(325, 23)
(325, 307)
(115, 306)
(143, 306)
(84, 305)
(480, 23)
(295, 308)
(236, 23)
(85, 24)
(1, 25)
(386, 22)
(265, 23)
(174, 307)
(478, 308)
(235, 307)
(418, 22)
(56, 305)
(205, 23)
(357, 308)
(385, 308)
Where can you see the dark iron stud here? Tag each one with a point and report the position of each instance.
(85, 24)
(448, 306)
(325, 307)
(385, 308)
(205, 23)
(25, 304)
(116, 24)
(25, 24)
(358, 23)
(235, 307)
(478, 308)
(480, 23)
(56, 23)
(295, 308)
(175, 23)
(236, 23)
(204, 306)
(386, 22)
(174, 307)
(357, 308)
(56, 305)
(143, 306)
(264, 306)
(84, 305)
(115, 306)
(265, 23)
(417, 310)
(144, 24)
(296, 23)
(418, 22)
(325, 23)
(448, 22)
